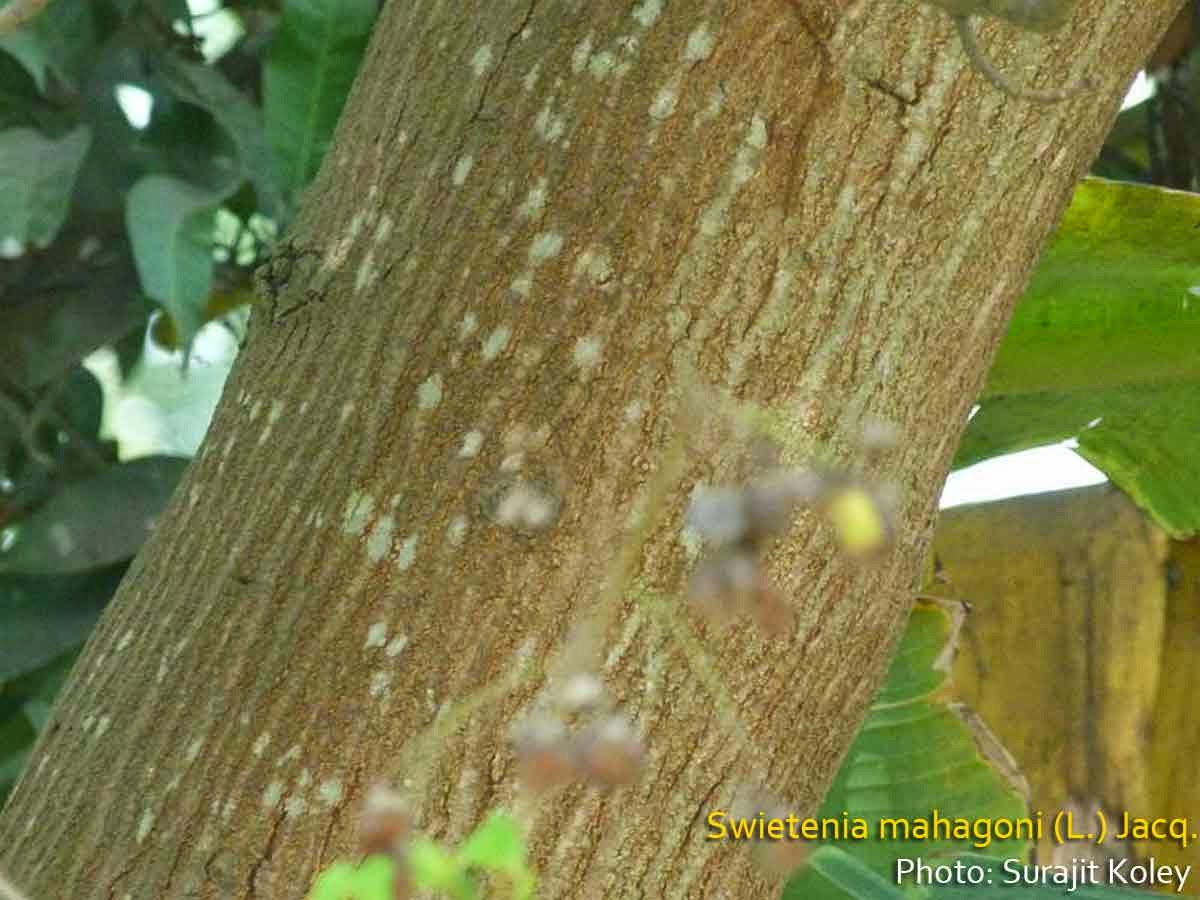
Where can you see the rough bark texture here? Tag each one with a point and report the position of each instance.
(535, 216)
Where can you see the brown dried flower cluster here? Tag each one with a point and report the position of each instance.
(386, 826)
(737, 522)
(605, 752)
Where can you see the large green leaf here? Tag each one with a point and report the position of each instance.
(170, 227)
(44, 616)
(37, 175)
(832, 872)
(207, 88)
(913, 755)
(1105, 348)
(58, 39)
(94, 522)
(25, 705)
(307, 75)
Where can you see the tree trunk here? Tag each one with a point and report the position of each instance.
(535, 217)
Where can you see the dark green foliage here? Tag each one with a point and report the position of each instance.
(101, 223)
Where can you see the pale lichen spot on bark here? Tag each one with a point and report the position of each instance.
(468, 325)
(495, 342)
(331, 791)
(345, 412)
(429, 392)
(471, 444)
(548, 124)
(125, 640)
(522, 285)
(408, 553)
(273, 415)
(588, 352)
(381, 682)
(145, 826)
(699, 44)
(272, 794)
(579, 56)
(396, 646)
(529, 82)
(359, 507)
(546, 245)
(745, 164)
(255, 409)
(462, 169)
(379, 541)
(376, 635)
(595, 263)
(456, 531)
(295, 806)
(367, 274)
(482, 60)
(663, 105)
(193, 495)
(647, 12)
(292, 753)
(193, 749)
(260, 744)
(384, 230)
(534, 202)
(102, 725)
(601, 64)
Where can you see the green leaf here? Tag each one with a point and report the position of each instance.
(1103, 348)
(16, 737)
(914, 754)
(37, 175)
(207, 88)
(834, 873)
(373, 880)
(307, 76)
(38, 689)
(433, 867)
(170, 226)
(67, 306)
(42, 617)
(59, 39)
(97, 521)
(499, 845)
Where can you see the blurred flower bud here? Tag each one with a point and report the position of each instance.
(879, 436)
(772, 501)
(610, 753)
(718, 515)
(724, 584)
(526, 506)
(544, 754)
(385, 823)
(859, 520)
(771, 611)
(581, 692)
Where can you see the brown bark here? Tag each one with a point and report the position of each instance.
(535, 217)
